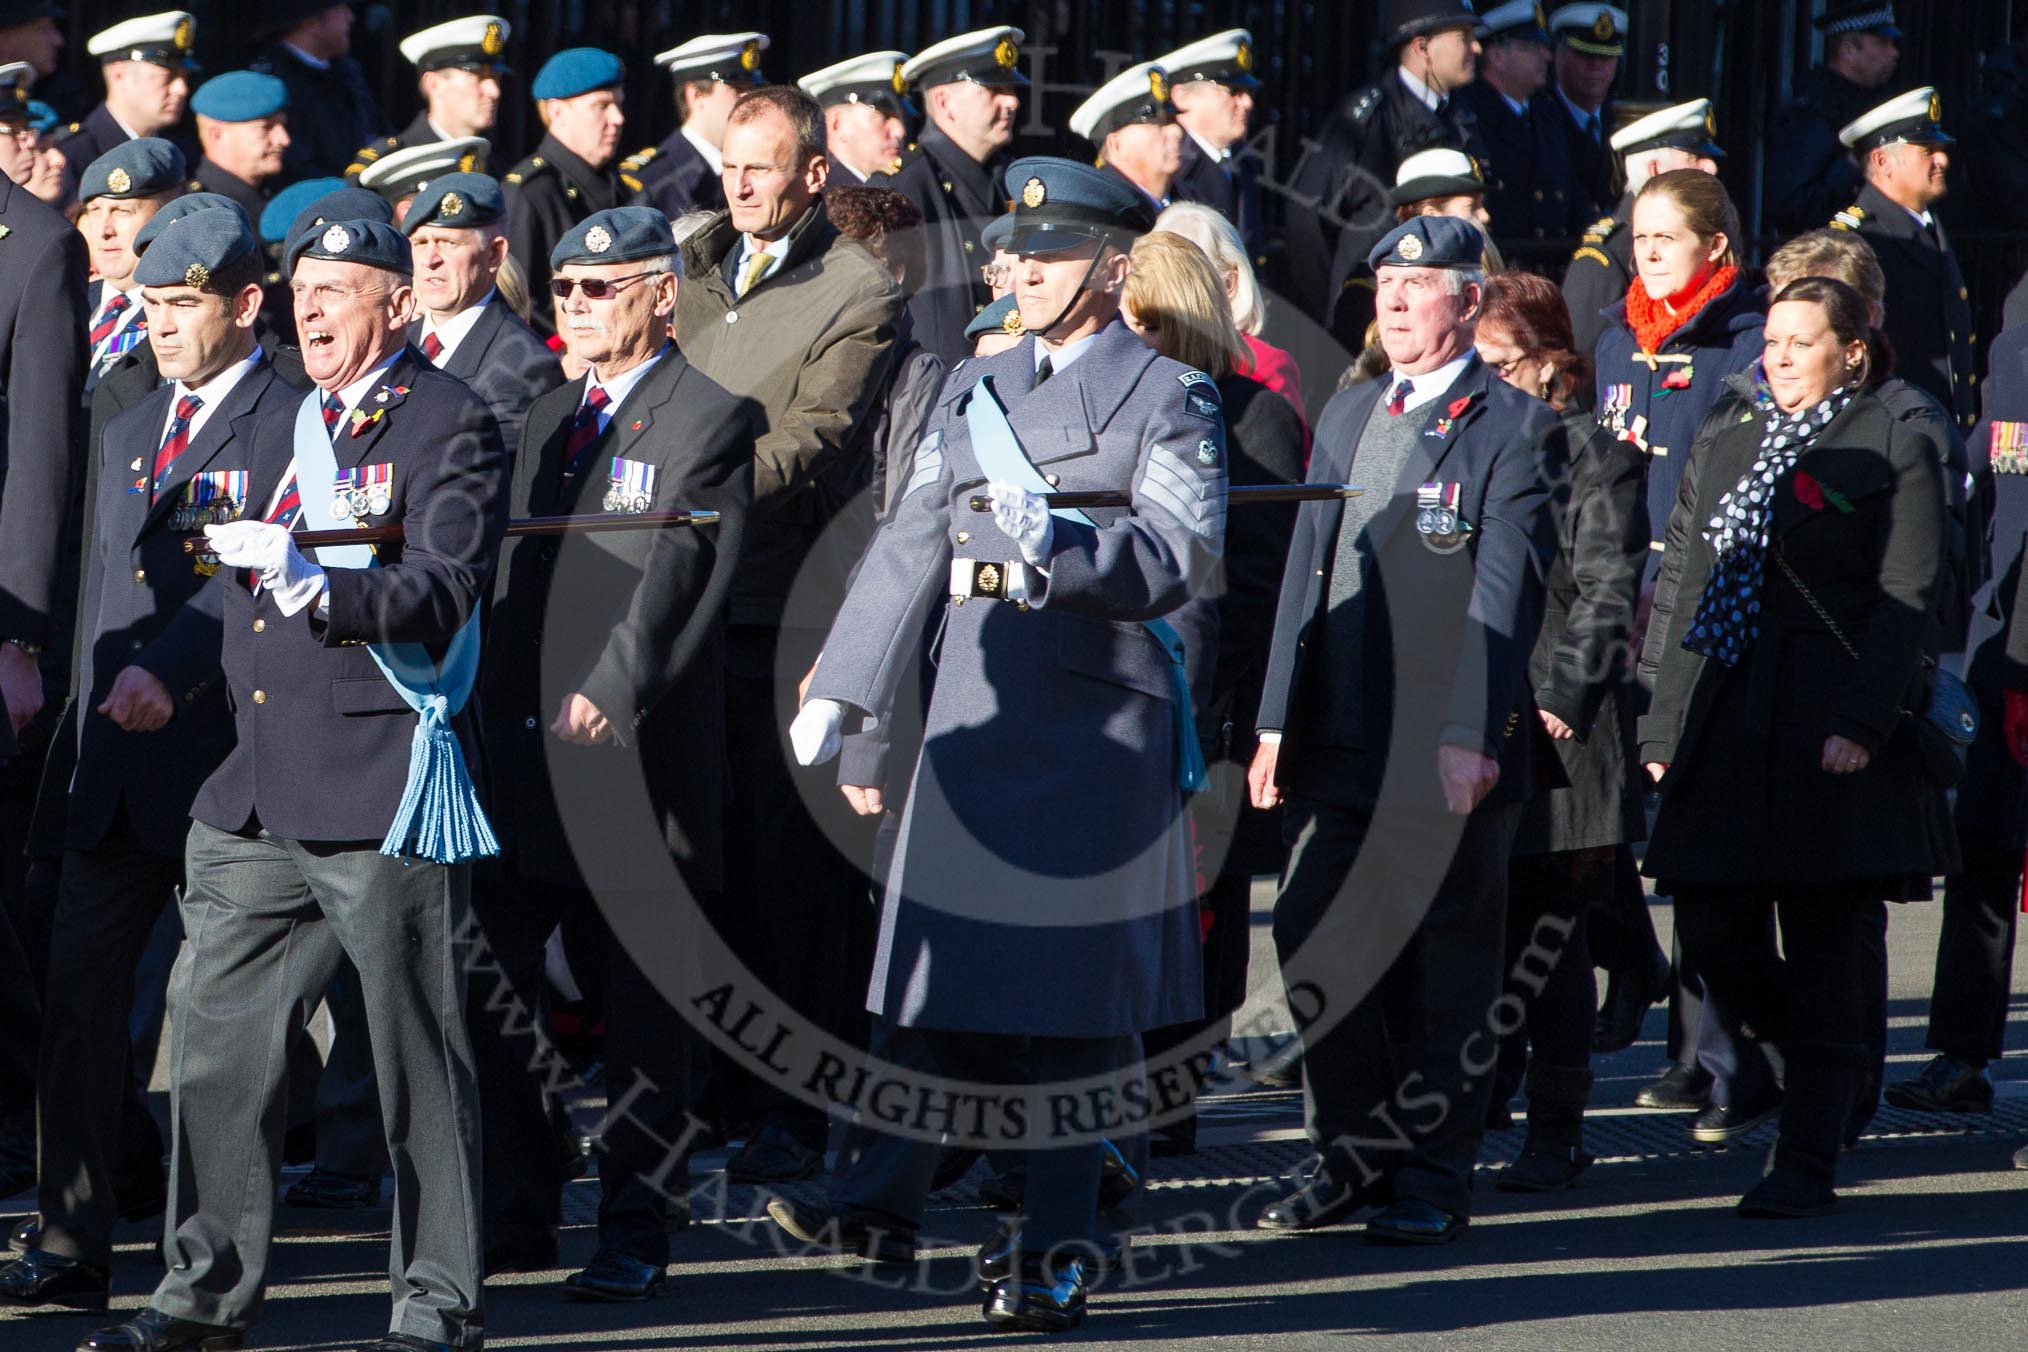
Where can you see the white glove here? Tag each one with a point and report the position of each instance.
(1025, 518)
(814, 733)
(270, 551)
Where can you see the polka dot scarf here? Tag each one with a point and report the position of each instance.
(1728, 614)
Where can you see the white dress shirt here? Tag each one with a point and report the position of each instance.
(454, 330)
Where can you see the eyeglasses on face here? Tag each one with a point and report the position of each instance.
(595, 288)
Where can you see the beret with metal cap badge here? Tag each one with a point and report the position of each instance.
(616, 235)
(347, 203)
(1430, 242)
(456, 202)
(1002, 316)
(374, 244)
(577, 70)
(142, 167)
(177, 208)
(192, 250)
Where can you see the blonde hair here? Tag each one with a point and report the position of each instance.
(1173, 289)
(1220, 240)
(1837, 254)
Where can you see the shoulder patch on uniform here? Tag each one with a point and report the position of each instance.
(1593, 254)
(1186, 487)
(1189, 378)
(1200, 395)
(929, 463)
(1849, 218)
(526, 170)
(631, 183)
(1368, 101)
(1600, 230)
(639, 158)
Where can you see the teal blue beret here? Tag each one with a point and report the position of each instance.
(142, 167)
(41, 116)
(240, 96)
(616, 235)
(192, 249)
(577, 70)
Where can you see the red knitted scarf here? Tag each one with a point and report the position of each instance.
(1653, 322)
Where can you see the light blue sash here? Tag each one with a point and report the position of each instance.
(999, 454)
(439, 808)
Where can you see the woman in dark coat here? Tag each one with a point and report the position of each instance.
(1563, 857)
(1175, 301)
(1792, 783)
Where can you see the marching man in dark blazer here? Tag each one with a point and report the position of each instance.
(455, 228)
(1398, 723)
(323, 835)
(150, 725)
(1212, 84)
(1929, 315)
(119, 192)
(606, 672)
(460, 68)
(1054, 637)
(42, 366)
(147, 66)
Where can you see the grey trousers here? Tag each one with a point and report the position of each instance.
(265, 921)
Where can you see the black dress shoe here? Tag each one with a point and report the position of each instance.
(998, 1255)
(535, 1251)
(25, 1233)
(771, 1155)
(1725, 1122)
(615, 1276)
(860, 1233)
(1004, 1191)
(1945, 1085)
(153, 1331)
(1680, 1087)
(1410, 1220)
(1543, 1170)
(404, 1342)
(323, 1190)
(1628, 995)
(1039, 1298)
(42, 1278)
(1319, 1200)
(1786, 1194)
(1117, 1178)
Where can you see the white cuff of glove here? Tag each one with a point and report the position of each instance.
(296, 591)
(814, 735)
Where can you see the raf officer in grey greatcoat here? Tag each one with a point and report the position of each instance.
(1397, 720)
(1056, 675)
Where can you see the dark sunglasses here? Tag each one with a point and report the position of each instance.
(595, 288)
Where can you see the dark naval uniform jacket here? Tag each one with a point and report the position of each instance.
(137, 580)
(675, 177)
(548, 193)
(1341, 182)
(97, 132)
(331, 112)
(42, 367)
(634, 621)
(1929, 313)
(322, 745)
(419, 133)
(505, 363)
(1445, 637)
(1530, 194)
(1230, 187)
(1816, 173)
(251, 200)
(958, 197)
(1036, 706)
(1599, 273)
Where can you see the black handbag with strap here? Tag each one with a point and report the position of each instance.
(1947, 724)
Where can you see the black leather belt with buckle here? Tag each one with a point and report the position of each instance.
(978, 578)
